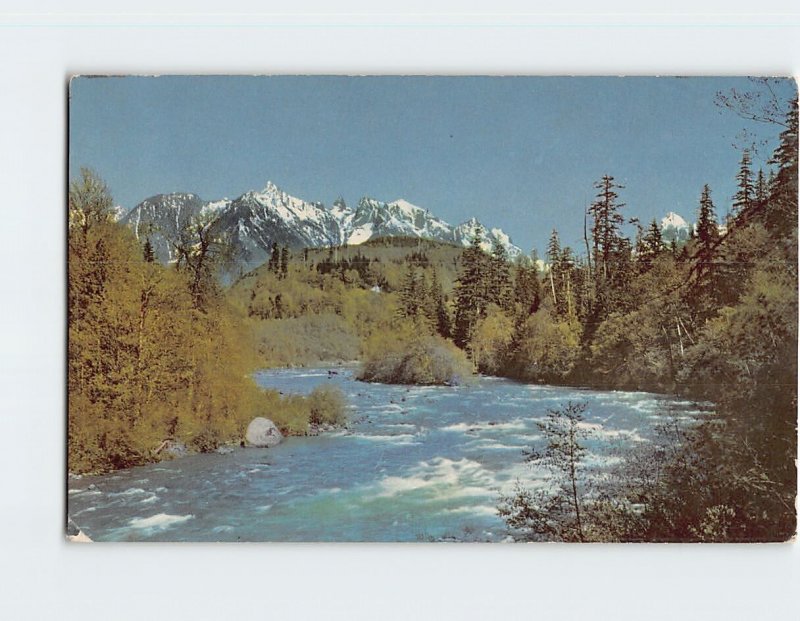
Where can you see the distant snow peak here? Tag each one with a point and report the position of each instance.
(271, 188)
(674, 220)
(404, 206)
(464, 233)
(674, 227)
(260, 218)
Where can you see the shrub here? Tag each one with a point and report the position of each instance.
(294, 413)
(206, 441)
(423, 360)
(326, 406)
(548, 348)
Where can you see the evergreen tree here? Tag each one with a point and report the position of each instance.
(147, 251)
(785, 155)
(746, 193)
(438, 314)
(612, 252)
(650, 247)
(707, 229)
(706, 287)
(566, 305)
(782, 212)
(284, 262)
(554, 260)
(761, 188)
(411, 294)
(653, 241)
(275, 259)
(499, 285)
(471, 291)
(605, 212)
(527, 290)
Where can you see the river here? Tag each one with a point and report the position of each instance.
(414, 464)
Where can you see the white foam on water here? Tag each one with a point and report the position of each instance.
(490, 444)
(497, 446)
(399, 439)
(485, 426)
(441, 478)
(473, 510)
(310, 374)
(223, 528)
(159, 521)
(597, 430)
(600, 461)
(264, 508)
(529, 437)
(147, 501)
(85, 492)
(131, 491)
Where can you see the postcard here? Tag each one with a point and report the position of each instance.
(432, 309)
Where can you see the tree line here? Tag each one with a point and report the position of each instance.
(157, 352)
(715, 320)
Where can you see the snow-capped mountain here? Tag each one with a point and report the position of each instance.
(161, 217)
(464, 233)
(257, 219)
(374, 218)
(675, 227)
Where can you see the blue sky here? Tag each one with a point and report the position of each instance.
(517, 153)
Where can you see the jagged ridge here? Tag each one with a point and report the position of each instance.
(257, 219)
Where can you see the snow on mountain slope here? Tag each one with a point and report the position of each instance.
(674, 220)
(160, 218)
(464, 233)
(258, 219)
(675, 227)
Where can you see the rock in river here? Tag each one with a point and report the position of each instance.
(262, 432)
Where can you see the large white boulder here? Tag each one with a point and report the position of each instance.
(262, 432)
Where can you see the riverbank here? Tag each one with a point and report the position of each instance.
(413, 464)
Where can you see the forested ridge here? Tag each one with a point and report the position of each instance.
(163, 351)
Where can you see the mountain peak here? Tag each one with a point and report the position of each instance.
(259, 218)
(271, 188)
(404, 205)
(674, 227)
(674, 220)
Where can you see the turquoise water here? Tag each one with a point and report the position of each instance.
(415, 464)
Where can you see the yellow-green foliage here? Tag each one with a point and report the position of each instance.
(741, 342)
(305, 340)
(326, 406)
(332, 300)
(491, 340)
(294, 413)
(147, 360)
(548, 347)
(405, 355)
